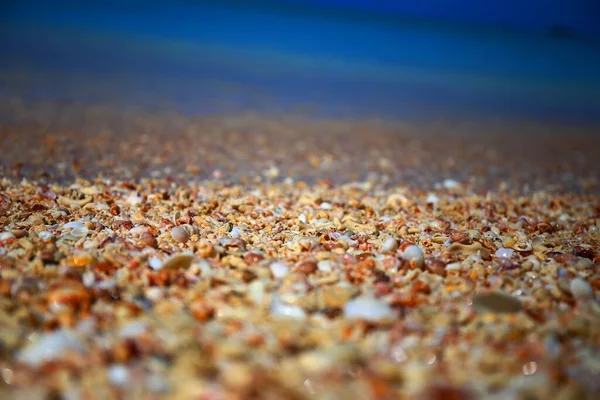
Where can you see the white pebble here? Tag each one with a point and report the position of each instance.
(504, 252)
(325, 206)
(6, 235)
(581, 289)
(415, 254)
(88, 279)
(368, 308)
(118, 375)
(179, 234)
(389, 245)
(302, 218)
(49, 347)
(279, 269)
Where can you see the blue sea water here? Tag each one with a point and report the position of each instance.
(212, 56)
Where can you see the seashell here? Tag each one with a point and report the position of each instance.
(414, 254)
(77, 229)
(179, 261)
(522, 246)
(179, 234)
(69, 202)
(473, 248)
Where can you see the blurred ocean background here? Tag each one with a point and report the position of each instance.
(430, 59)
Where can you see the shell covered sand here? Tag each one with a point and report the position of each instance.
(278, 258)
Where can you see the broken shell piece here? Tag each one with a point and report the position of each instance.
(389, 245)
(179, 261)
(69, 202)
(368, 308)
(496, 302)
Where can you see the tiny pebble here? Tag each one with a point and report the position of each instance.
(581, 289)
(179, 234)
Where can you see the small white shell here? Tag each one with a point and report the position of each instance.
(49, 347)
(368, 308)
(389, 245)
(280, 309)
(279, 269)
(6, 235)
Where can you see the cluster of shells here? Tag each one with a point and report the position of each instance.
(285, 290)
